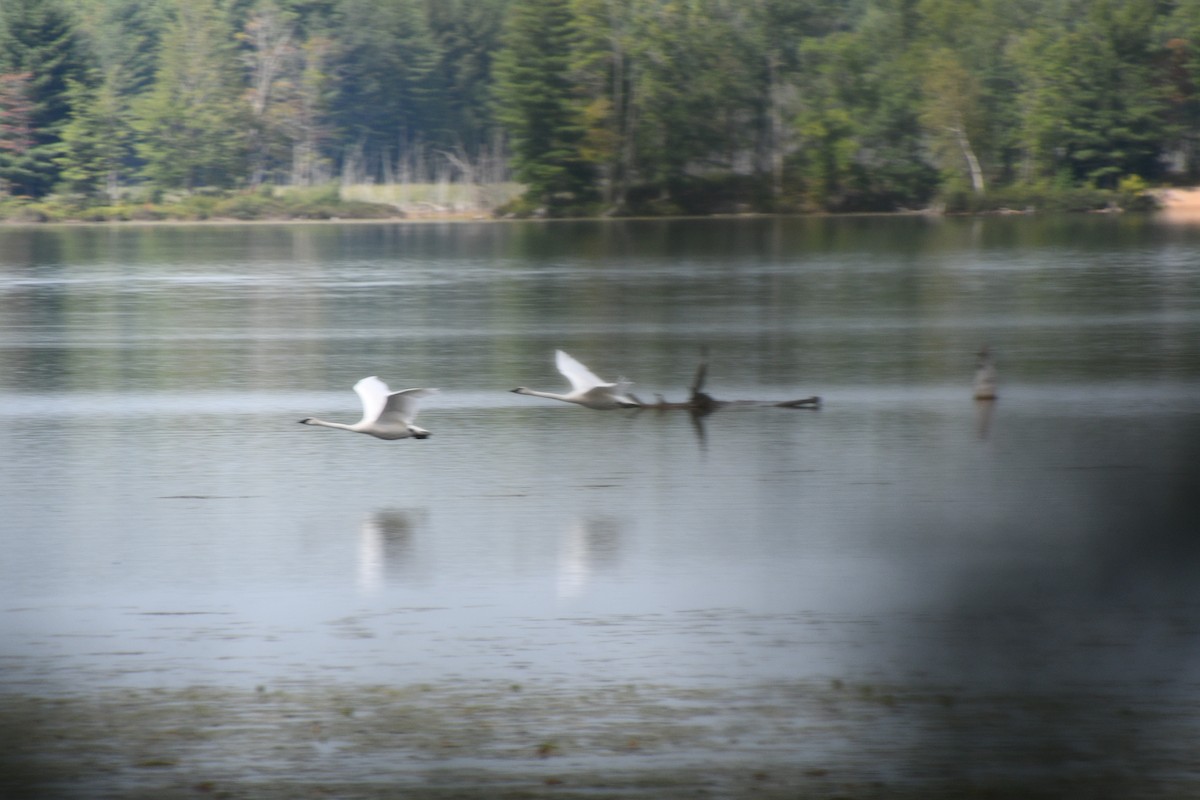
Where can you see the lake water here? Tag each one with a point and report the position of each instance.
(870, 595)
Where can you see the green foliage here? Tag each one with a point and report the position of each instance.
(39, 41)
(384, 60)
(695, 93)
(1133, 194)
(467, 37)
(952, 117)
(701, 195)
(536, 101)
(1041, 196)
(600, 106)
(1095, 106)
(310, 204)
(126, 36)
(96, 141)
(192, 121)
(16, 111)
(860, 143)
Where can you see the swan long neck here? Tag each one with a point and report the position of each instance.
(325, 424)
(547, 395)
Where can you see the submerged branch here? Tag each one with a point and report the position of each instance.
(700, 403)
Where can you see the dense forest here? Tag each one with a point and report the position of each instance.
(603, 106)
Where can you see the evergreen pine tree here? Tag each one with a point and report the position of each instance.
(536, 102)
(38, 40)
(16, 134)
(132, 39)
(191, 121)
(1095, 109)
(96, 142)
(467, 33)
(385, 79)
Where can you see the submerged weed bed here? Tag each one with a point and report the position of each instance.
(505, 740)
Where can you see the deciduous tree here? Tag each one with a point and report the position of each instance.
(952, 118)
(273, 62)
(191, 123)
(1094, 106)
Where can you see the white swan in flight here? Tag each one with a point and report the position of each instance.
(586, 389)
(386, 414)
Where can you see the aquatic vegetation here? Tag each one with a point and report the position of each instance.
(782, 740)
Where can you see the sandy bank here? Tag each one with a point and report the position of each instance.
(1180, 204)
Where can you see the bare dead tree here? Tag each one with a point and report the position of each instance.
(468, 173)
(269, 56)
(352, 165)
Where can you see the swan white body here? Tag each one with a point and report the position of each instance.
(587, 390)
(386, 414)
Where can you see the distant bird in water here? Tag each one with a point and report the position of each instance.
(586, 389)
(386, 414)
(985, 376)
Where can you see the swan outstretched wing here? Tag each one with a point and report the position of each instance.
(374, 395)
(402, 406)
(582, 379)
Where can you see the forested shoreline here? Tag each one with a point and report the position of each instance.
(126, 109)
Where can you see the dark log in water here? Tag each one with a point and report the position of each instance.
(701, 404)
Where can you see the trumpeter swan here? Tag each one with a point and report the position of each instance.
(386, 414)
(586, 389)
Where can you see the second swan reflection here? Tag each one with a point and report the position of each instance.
(590, 545)
(386, 545)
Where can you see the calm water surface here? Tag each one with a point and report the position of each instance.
(166, 523)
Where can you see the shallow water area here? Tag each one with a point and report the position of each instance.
(903, 592)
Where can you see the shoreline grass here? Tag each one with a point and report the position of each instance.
(459, 201)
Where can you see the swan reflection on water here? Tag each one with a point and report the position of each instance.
(589, 545)
(984, 409)
(385, 544)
